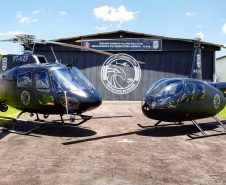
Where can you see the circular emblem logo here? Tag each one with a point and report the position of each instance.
(25, 97)
(216, 101)
(4, 63)
(120, 76)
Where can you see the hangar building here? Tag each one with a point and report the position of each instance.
(220, 65)
(118, 79)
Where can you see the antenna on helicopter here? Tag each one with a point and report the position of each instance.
(54, 55)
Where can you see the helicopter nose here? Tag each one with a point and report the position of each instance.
(94, 101)
(145, 108)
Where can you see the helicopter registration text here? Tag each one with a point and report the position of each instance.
(19, 58)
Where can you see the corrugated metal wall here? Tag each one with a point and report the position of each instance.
(162, 64)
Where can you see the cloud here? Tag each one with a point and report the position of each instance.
(63, 13)
(190, 13)
(109, 13)
(24, 20)
(200, 34)
(27, 20)
(38, 11)
(19, 14)
(34, 20)
(12, 33)
(224, 28)
(101, 28)
(199, 26)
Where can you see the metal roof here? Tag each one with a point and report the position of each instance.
(221, 57)
(135, 33)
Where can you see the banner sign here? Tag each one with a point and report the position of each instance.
(124, 45)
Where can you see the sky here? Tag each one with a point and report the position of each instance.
(48, 19)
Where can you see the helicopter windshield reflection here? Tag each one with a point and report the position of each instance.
(168, 96)
(24, 80)
(87, 82)
(66, 80)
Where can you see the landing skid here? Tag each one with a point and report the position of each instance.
(38, 122)
(85, 118)
(157, 125)
(15, 122)
(72, 119)
(192, 136)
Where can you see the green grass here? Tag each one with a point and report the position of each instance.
(11, 112)
(222, 113)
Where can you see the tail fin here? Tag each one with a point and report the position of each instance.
(196, 65)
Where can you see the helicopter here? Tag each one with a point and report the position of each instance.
(31, 84)
(185, 99)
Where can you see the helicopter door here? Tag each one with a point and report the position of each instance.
(25, 91)
(187, 98)
(198, 109)
(43, 90)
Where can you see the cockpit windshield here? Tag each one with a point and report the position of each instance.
(81, 76)
(154, 85)
(168, 96)
(64, 79)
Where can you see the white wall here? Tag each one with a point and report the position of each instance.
(221, 69)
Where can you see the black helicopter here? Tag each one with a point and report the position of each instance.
(31, 84)
(185, 99)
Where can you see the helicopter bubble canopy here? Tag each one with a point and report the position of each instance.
(165, 93)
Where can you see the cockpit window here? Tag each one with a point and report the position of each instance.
(200, 93)
(64, 79)
(42, 81)
(168, 96)
(87, 82)
(152, 87)
(24, 80)
(189, 92)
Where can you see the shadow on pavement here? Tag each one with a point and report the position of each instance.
(177, 130)
(169, 131)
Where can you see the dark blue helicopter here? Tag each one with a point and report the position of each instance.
(185, 99)
(31, 84)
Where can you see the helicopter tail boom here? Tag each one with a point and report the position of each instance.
(219, 85)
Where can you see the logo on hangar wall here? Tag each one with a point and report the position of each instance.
(120, 76)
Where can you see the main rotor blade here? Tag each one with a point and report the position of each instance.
(7, 40)
(93, 50)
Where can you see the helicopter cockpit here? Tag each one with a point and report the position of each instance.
(167, 93)
(69, 79)
(164, 94)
